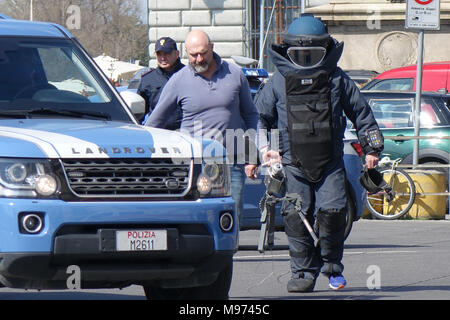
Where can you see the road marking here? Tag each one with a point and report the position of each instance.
(274, 256)
(262, 256)
(378, 252)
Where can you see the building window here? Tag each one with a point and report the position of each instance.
(276, 16)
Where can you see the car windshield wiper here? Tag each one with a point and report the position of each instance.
(12, 114)
(49, 111)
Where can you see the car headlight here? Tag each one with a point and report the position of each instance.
(31, 178)
(214, 180)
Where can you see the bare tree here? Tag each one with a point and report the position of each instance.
(112, 27)
(18, 9)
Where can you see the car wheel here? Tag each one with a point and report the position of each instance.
(218, 290)
(351, 210)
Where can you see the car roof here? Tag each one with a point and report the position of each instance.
(360, 73)
(402, 94)
(12, 27)
(410, 70)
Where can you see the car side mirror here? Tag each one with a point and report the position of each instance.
(135, 102)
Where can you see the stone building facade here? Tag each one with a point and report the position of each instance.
(375, 37)
(223, 20)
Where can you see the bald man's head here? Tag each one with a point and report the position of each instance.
(196, 38)
(199, 49)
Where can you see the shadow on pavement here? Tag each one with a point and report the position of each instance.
(65, 295)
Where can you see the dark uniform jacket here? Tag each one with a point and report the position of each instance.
(346, 100)
(150, 89)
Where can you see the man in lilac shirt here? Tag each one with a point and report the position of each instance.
(213, 96)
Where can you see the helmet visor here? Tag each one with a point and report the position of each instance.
(306, 57)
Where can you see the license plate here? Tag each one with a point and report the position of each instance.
(141, 240)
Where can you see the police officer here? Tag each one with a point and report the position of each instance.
(152, 82)
(307, 99)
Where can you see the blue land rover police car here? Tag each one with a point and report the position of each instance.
(82, 184)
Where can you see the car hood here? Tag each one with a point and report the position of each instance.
(48, 138)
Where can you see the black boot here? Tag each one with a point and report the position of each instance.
(301, 285)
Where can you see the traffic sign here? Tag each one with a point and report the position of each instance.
(423, 14)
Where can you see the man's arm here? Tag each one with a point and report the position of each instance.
(248, 110)
(360, 114)
(266, 101)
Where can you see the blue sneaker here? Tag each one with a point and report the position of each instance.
(337, 281)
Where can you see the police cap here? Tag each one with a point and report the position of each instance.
(165, 44)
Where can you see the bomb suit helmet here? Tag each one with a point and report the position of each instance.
(307, 41)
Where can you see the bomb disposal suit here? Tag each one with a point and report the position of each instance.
(306, 100)
(91, 199)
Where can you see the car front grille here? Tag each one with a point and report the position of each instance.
(95, 178)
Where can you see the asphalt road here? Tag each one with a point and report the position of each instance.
(393, 260)
(384, 260)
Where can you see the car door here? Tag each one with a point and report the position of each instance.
(434, 77)
(395, 118)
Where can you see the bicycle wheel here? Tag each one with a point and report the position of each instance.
(393, 205)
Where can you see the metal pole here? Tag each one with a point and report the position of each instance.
(147, 10)
(31, 10)
(249, 29)
(261, 34)
(418, 97)
(302, 8)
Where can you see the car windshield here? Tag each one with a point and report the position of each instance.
(53, 77)
(398, 113)
(136, 80)
(390, 84)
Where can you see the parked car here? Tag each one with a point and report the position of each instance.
(91, 199)
(435, 77)
(133, 83)
(255, 77)
(394, 112)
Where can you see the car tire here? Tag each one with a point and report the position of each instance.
(218, 290)
(351, 210)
